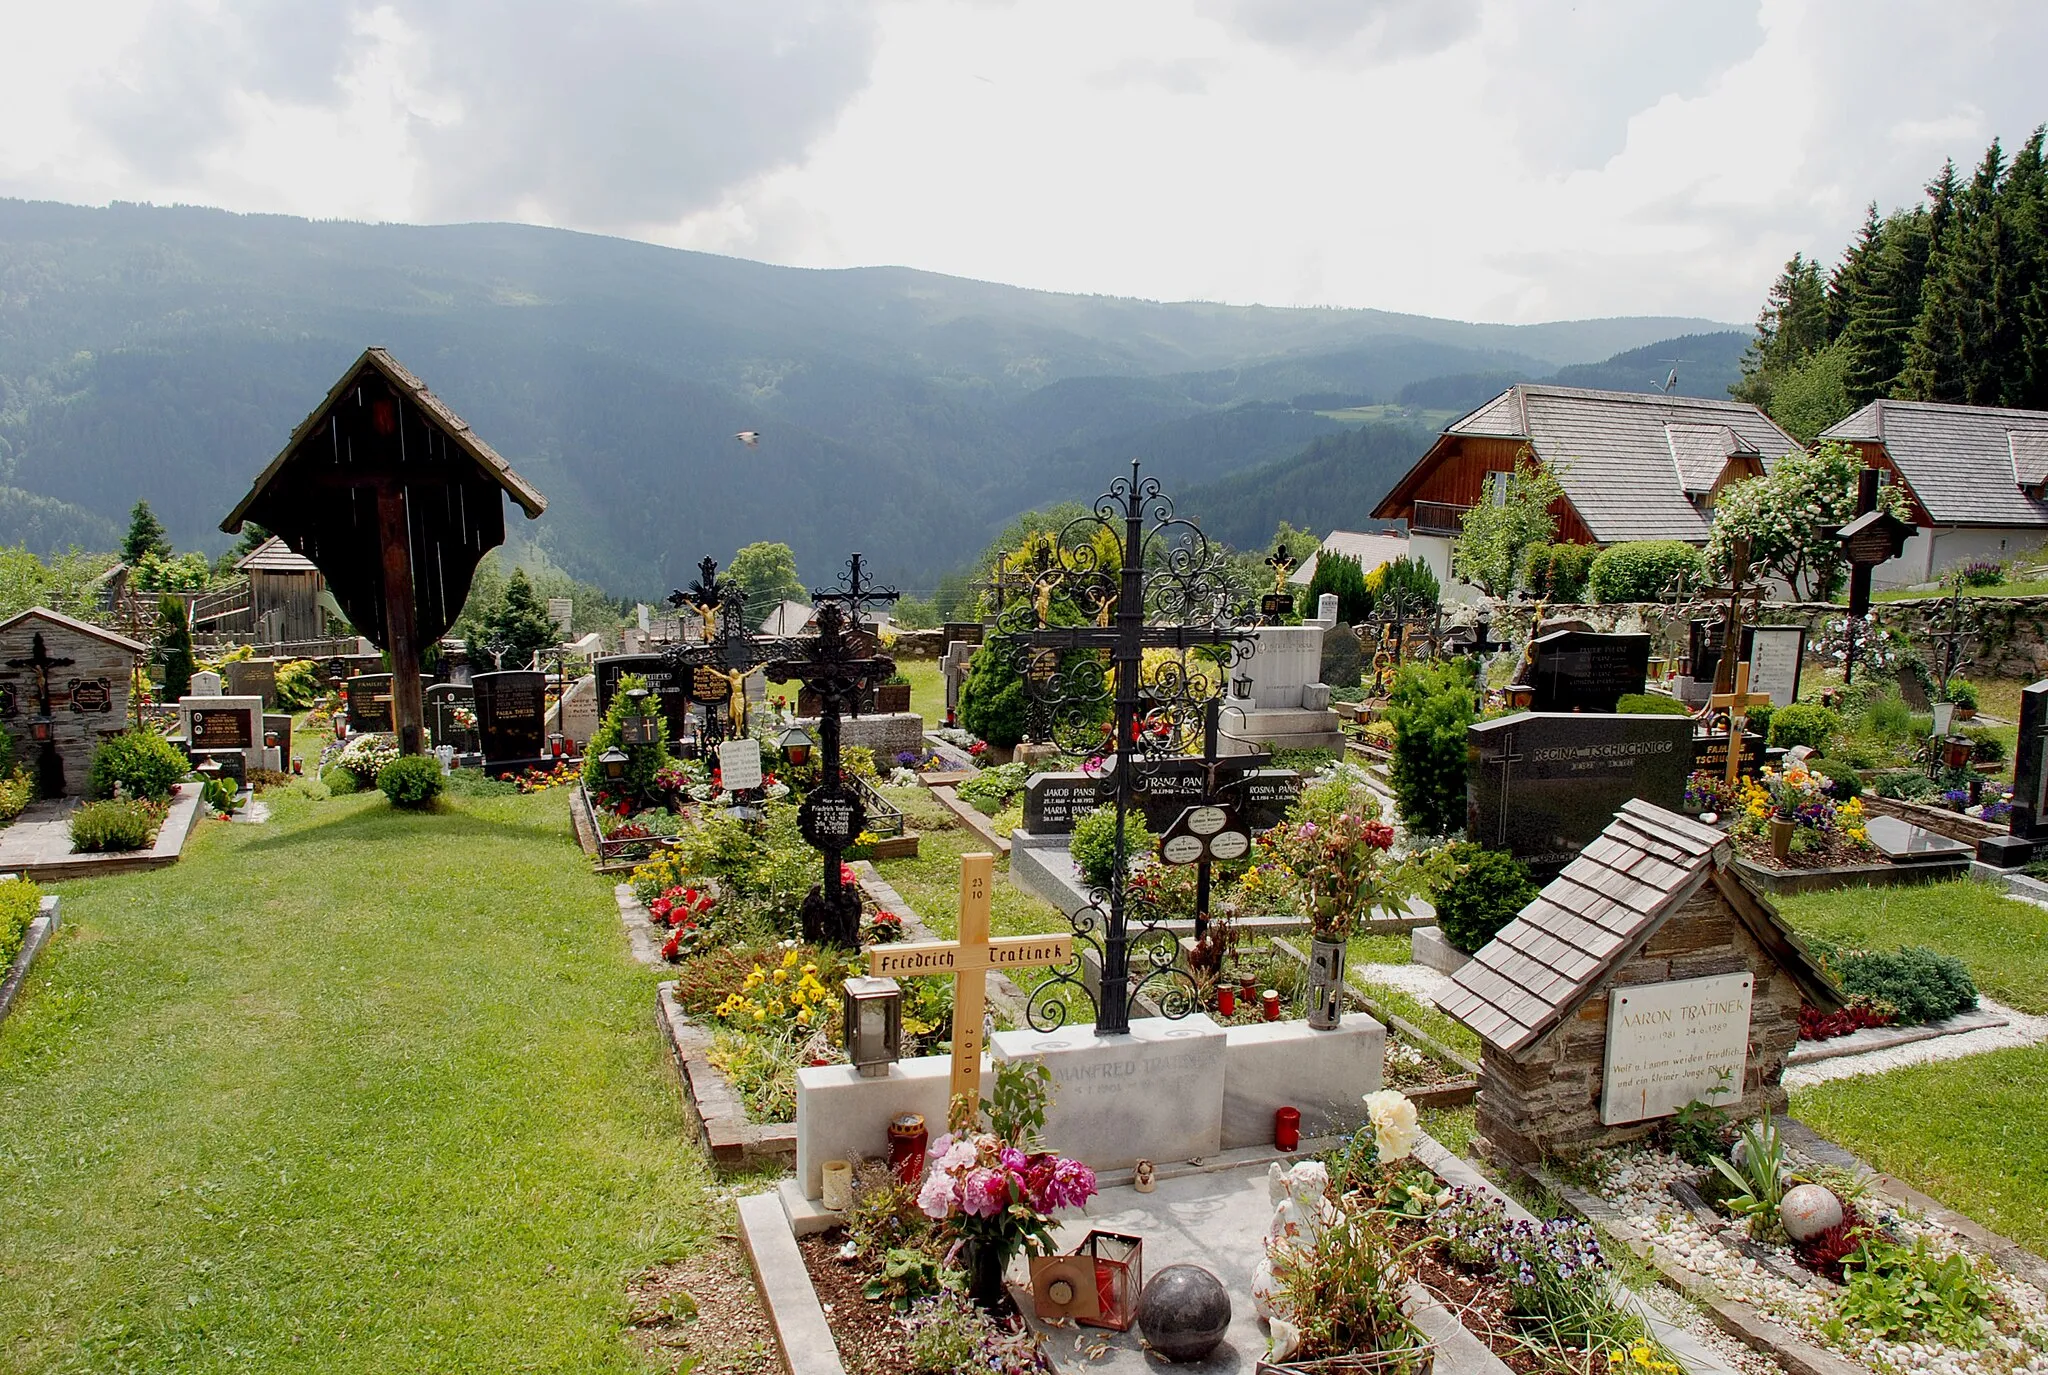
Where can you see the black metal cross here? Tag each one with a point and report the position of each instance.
(733, 651)
(704, 594)
(1952, 638)
(1063, 665)
(1736, 593)
(855, 593)
(40, 663)
(833, 666)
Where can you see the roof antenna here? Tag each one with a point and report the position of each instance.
(1670, 381)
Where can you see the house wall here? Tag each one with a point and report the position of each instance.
(1935, 550)
(295, 597)
(1460, 479)
(76, 733)
(1548, 1102)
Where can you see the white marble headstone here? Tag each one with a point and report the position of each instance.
(1156, 1093)
(1669, 1043)
(205, 683)
(1288, 659)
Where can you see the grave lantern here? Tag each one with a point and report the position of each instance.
(1095, 1285)
(39, 729)
(874, 1024)
(1956, 751)
(614, 762)
(795, 743)
(1241, 687)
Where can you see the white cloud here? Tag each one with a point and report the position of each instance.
(1492, 159)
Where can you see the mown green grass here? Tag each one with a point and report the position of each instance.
(931, 882)
(1972, 1133)
(927, 689)
(350, 1091)
(2003, 941)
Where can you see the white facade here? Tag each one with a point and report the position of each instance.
(1937, 549)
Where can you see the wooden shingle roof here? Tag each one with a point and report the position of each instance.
(1596, 915)
(1967, 465)
(72, 623)
(275, 556)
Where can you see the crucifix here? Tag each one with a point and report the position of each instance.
(704, 594)
(729, 655)
(832, 816)
(969, 958)
(1141, 726)
(49, 764)
(1737, 592)
(1277, 603)
(1506, 757)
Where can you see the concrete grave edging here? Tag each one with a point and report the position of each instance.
(32, 942)
(169, 845)
(714, 1109)
(968, 816)
(1781, 882)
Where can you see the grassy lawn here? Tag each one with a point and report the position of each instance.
(927, 689)
(2004, 942)
(348, 1091)
(931, 882)
(1972, 1133)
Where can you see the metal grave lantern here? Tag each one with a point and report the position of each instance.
(613, 761)
(1096, 1284)
(637, 727)
(795, 743)
(873, 1017)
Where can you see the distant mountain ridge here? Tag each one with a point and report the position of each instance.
(167, 353)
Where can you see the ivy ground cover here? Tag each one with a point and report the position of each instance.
(355, 1090)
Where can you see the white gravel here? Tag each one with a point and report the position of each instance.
(2022, 1030)
(1417, 979)
(1635, 1183)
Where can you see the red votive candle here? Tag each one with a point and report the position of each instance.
(1287, 1128)
(907, 1141)
(1271, 999)
(1226, 1001)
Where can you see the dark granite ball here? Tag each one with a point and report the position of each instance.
(1184, 1312)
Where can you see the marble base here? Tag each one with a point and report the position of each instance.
(1155, 1093)
(1428, 948)
(1324, 1074)
(841, 1116)
(1288, 728)
(1043, 866)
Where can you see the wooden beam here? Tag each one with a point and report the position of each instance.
(408, 708)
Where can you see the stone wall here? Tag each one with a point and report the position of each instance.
(76, 732)
(1549, 1102)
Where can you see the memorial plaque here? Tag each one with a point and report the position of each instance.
(443, 703)
(92, 695)
(831, 818)
(1902, 842)
(709, 687)
(1776, 655)
(739, 764)
(2029, 820)
(220, 728)
(1053, 802)
(1710, 754)
(1671, 1043)
(369, 703)
(1583, 670)
(1542, 786)
(511, 716)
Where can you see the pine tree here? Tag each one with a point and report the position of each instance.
(1851, 277)
(512, 632)
(1882, 315)
(146, 535)
(1791, 327)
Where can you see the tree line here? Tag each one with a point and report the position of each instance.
(1942, 301)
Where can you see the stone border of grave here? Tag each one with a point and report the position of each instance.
(33, 940)
(641, 932)
(969, 817)
(1940, 820)
(1747, 1323)
(719, 1116)
(170, 844)
(1782, 882)
(769, 1229)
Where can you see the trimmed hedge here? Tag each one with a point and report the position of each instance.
(1843, 779)
(411, 781)
(1488, 890)
(1804, 723)
(1643, 570)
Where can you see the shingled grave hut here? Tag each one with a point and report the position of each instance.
(396, 501)
(1646, 976)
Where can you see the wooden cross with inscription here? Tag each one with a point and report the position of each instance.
(969, 959)
(1738, 703)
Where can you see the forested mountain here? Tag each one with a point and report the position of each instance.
(1331, 485)
(1943, 301)
(167, 354)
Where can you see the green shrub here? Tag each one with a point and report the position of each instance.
(1886, 717)
(17, 790)
(1904, 785)
(1430, 708)
(1844, 778)
(1987, 746)
(1962, 692)
(124, 825)
(340, 781)
(1485, 892)
(643, 762)
(141, 761)
(1557, 572)
(1650, 704)
(411, 781)
(1804, 723)
(1923, 984)
(1757, 720)
(1644, 570)
(20, 900)
(1094, 843)
(992, 701)
(298, 685)
(989, 791)
(1404, 582)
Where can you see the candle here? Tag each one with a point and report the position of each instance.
(907, 1139)
(1287, 1128)
(1226, 1001)
(1271, 999)
(838, 1194)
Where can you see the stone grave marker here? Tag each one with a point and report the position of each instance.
(511, 717)
(561, 612)
(1647, 974)
(1902, 842)
(204, 683)
(579, 715)
(671, 688)
(1777, 653)
(1053, 802)
(444, 700)
(253, 678)
(2029, 821)
(1281, 709)
(369, 703)
(1710, 754)
(1543, 785)
(1912, 690)
(219, 725)
(1586, 671)
(280, 725)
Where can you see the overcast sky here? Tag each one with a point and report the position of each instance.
(1483, 159)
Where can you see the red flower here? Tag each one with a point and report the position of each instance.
(1379, 835)
(670, 948)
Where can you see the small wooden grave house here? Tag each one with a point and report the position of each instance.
(1647, 975)
(395, 500)
(284, 594)
(63, 685)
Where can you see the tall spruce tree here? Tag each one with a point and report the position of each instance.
(1881, 316)
(146, 535)
(1791, 328)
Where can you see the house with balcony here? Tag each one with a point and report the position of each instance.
(1633, 466)
(1976, 478)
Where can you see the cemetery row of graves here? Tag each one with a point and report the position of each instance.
(1157, 969)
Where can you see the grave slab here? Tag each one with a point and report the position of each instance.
(842, 1116)
(1325, 1074)
(888, 734)
(1902, 842)
(1155, 1093)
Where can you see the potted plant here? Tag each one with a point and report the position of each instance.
(893, 695)
(1963, 693)
(1344, 871)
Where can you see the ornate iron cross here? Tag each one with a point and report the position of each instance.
(735, 652)
(40, 663)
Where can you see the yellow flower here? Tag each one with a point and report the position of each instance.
(789, 960)
(760, 1016)
(782, 976)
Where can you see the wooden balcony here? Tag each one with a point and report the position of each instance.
(1437, 518)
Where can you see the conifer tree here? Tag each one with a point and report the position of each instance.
(146, 535)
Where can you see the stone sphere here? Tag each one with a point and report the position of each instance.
(1184, 1312)
(1808, 1210)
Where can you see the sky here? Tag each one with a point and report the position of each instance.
(1510, 160)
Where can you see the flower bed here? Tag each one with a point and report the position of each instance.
(1880, 1285)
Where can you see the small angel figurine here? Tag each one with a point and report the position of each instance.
(1301, 1209)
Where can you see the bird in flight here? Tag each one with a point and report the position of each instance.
(750, 438)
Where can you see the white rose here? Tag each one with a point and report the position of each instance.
(1395, 1130)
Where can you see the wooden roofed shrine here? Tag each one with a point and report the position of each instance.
(396, 500)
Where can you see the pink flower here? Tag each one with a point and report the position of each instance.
(1012, 1158)
(983, 1193)
(935, 1198)
(1070, 1185)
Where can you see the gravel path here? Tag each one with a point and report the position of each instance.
(2024, 1030)
(1417, 979)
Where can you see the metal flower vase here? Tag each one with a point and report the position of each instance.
(1325, 983)
(1781, 837)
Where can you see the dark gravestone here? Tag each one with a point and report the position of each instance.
(221, 728)
(1542, 786)
(1710, 754)
(443, 701)
(254, 678)
(669, 688)
(2029, 821)
(369, 703)
(831, 818)
(1583, 670)
(1053, 802)
(1912, 689)
(511, 717)
(280, 725)
(1703, 648)
(1343, 663)
(1902, 842)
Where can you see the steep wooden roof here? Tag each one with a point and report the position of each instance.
(1967, 465)
(275, 556)
(1597, 914)
(58, 618)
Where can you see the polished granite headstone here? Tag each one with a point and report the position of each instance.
(2029, 821)
(1710, 754)
(671, 690)
(1902, 842)
(1543, 785)
(1053, 802)
(1584, 670)
(511, 717)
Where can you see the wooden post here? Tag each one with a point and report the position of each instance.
(408, 709)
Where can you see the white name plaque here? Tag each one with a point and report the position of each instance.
(739, 764)
(1670, 1043)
